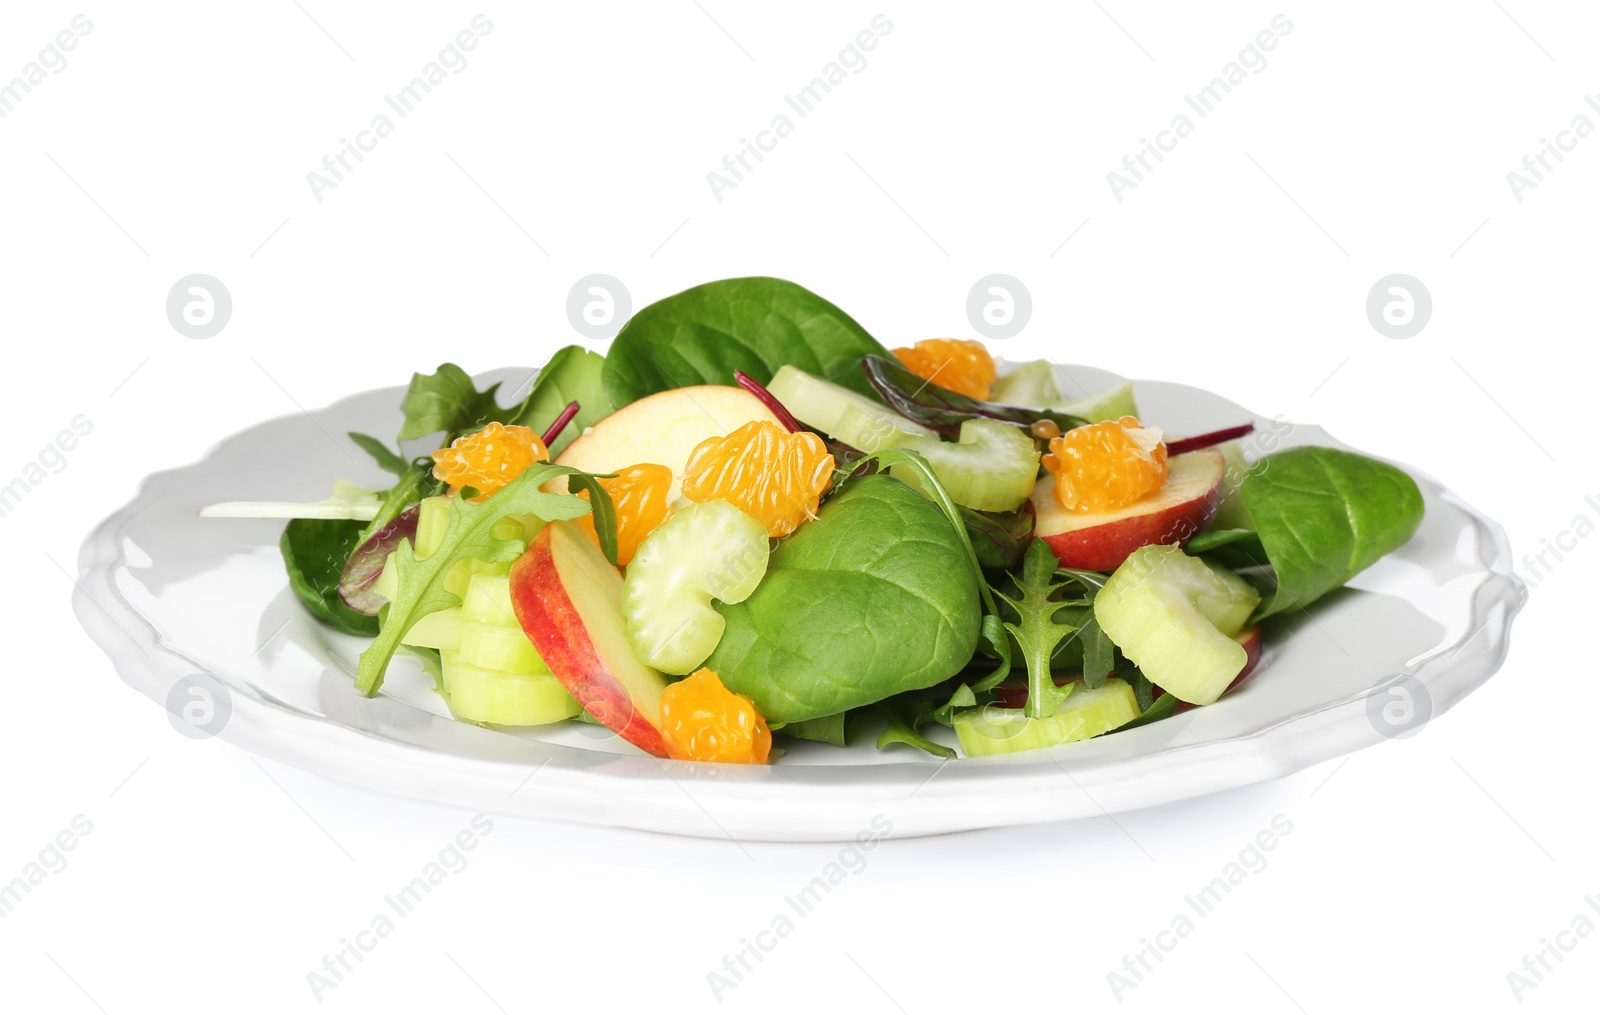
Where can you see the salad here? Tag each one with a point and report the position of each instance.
(750, 521)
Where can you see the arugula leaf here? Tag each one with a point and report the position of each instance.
(702, 335)
(1324, 516)
(314, 553)
(1161, 708)
(388, 461)
(604, 511)
(572, 375)
(942, 409)
(900, 727)
(1037, 631)
(1099, 654)
(446, 401)
(421, 588)
(873, 597)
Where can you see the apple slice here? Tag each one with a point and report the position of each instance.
(662, 429)
(568, 599)
(1175, 513)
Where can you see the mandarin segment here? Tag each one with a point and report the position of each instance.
(957, 364)
(639, 494)
(1105, 466)
(772, 475)
(701, 720)
(488, 459)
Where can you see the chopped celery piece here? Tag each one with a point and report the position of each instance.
(441, 630)
(1031, 384)
(845, 415)
(991, 468)
(1087, 712)
(495, 647)
(1113, 403)
(481, 695)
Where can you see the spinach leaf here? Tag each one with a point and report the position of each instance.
(999, 537)
(1325, 516)
(702, 335)
(314, 553)
(1038, 632)
(572, 375)
(942, 409)
(874, 597)
(468, 533)
(828, 729)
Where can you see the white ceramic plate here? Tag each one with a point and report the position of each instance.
(169, 595)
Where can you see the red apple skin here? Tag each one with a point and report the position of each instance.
(565, 640)
(1176, 513)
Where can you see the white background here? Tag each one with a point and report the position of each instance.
(976, 140)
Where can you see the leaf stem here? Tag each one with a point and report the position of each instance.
(1206, 440)
(560, 424)
(769, 400)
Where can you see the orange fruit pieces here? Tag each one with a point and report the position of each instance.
(487, 460)
(639, 494)
(774, 476)
(957, 364)
(701, 720)
(1105, 466)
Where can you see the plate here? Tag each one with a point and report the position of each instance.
(197, 614)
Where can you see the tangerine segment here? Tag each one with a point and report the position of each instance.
(488, 459)
(639, 494)
(1106, 466)
(703, 721)
(774, 476)
(958, 364)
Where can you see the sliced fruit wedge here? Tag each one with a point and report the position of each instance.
(568, 600)
(663, 428)
(1175, 617)
(1100, 541)
(706, 551)
(1087, 712)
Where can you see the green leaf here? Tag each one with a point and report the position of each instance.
(1162, 708)
(874, 597)
(572, 375)
(604, 511)
(420, 583)
(901, 728)
(388, 460)
(828, 729)
(702, 335)
(942, 409)
(991, 631)
(446, 401)
(1099, 654)
(314, 553)
(1325, 516)
(998, 537)
(1037, 630)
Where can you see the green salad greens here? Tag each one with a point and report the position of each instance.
(920, 557)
